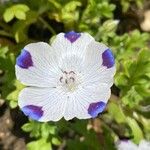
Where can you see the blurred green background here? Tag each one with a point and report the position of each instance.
(124, 25)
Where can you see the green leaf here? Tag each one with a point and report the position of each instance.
(55, 3)
(20, 14)
(8, 15)
(17, 10)
(47, 129)
(132, 97)
(21, 7)
(40, 144)
(116, 112)
(3, 51)
(27, 127)
(136, 130)
(21, 26)
(56, 141)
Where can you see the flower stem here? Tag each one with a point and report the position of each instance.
(47, 25)
(4, 33)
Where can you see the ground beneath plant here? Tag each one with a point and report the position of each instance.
(11, 135)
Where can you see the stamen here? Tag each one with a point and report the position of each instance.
(71, 72)
(60, 79)
(66, 81)
(65, 72)
(71, 78)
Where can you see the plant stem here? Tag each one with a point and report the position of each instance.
(5, 26)
(4, 33)
(47, 25)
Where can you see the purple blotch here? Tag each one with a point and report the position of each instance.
(96, 108)
(24, 60)
(72, 36)
(108, 58)
(34, 112)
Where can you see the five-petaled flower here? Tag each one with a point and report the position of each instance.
(69, 78)
(129, 145)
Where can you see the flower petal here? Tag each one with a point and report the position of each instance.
(71, 54)
(94, 71)
(72, 36)
(79, 102)
(98, 55)
(93, 57)
(42, 104)
(144, 145)
(126, 145)
(35, 66)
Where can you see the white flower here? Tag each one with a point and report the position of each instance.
(144, 145)
(129, 145)
(71, 78)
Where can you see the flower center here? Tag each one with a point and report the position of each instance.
(68, 80)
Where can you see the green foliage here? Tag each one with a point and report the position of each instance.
(134, 82)
(136, 130)
(127, 3)
(127, 113)
(46, 134)
(18, 11)
(116, 112)
(40, 144)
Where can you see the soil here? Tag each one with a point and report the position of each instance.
(11, 135)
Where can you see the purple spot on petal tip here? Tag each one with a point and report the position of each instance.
(24, 60)
(108, 58)
(96, 108)
(72, 36)
(34, 112)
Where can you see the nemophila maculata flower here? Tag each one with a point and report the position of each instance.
(129, 145)
(69, 78)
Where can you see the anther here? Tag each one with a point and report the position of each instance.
(71, 78)
(60, 79)
(65, 72)
(66, 81)
(71, 72)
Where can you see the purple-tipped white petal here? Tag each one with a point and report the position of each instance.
(35, 66)
(66, 49)
(95, 71)
(79, 103)
(42, 104)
